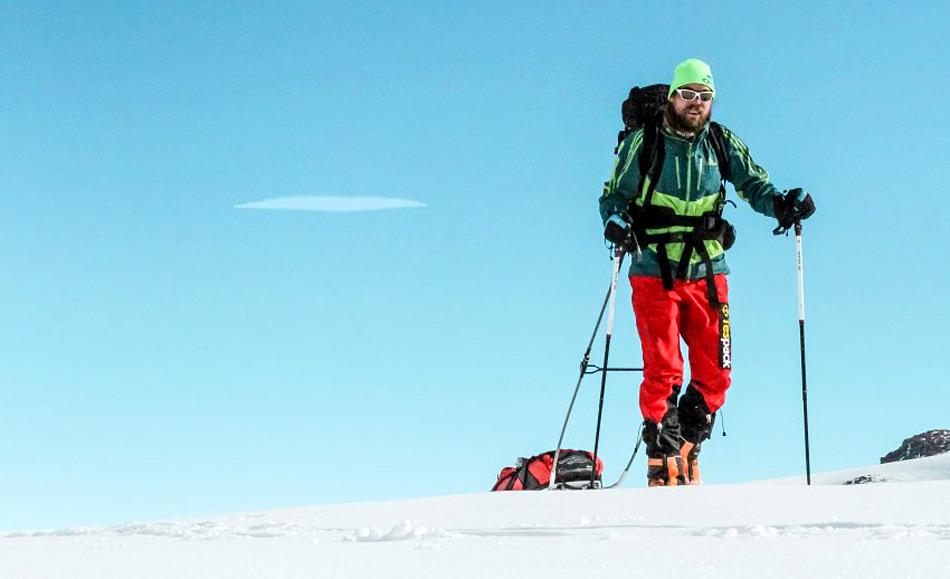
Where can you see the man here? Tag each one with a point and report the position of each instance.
(664, 203)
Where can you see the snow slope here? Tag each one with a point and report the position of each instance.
(898, 528)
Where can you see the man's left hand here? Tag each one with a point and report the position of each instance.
(793, 207)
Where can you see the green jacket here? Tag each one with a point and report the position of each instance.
(689, 184)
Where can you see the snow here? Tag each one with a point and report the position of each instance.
(899, 527)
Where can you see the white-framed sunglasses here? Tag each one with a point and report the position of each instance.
(690, 95)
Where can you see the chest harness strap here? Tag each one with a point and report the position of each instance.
(704, 227)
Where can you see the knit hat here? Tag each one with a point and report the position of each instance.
(691, 70)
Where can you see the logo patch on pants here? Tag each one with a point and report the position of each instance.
(725, 338)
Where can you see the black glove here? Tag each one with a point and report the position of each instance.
(791, 208)
(619, 232)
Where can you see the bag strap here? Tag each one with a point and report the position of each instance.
(652, 156)
(717, 139)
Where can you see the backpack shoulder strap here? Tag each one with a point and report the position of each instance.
(718, 140)
(652, 155)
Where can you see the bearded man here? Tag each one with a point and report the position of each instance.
(665, 198)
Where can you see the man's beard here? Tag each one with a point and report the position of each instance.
(685, 124)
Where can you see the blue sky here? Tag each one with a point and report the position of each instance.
(165, 353)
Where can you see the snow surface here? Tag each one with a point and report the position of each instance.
(897, 527)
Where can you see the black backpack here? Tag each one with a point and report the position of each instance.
(644, 106)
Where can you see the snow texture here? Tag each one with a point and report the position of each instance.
(778, 528)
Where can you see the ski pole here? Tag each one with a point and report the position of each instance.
(584, 363)
(618, 259)
(801, 335)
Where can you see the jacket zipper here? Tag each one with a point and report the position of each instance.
(689, 171)
(689, 166)
(701, 173)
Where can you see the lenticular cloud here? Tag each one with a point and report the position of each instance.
(331, 203)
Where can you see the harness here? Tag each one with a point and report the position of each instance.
(709, 225)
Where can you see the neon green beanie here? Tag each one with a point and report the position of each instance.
(691, 70)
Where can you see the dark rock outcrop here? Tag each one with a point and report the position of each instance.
(929, 443)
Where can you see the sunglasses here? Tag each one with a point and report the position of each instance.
(692, 95)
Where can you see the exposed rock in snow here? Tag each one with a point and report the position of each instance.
(930, 443)
(864, 479)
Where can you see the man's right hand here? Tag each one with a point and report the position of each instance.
(617, 230)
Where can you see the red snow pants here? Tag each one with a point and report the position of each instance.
(665, 315)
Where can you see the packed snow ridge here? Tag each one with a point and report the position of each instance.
(778, 528)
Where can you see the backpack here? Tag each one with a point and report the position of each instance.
(644, 109)
(532, 474)
(644, 105)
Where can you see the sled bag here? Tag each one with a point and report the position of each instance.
(532, 474)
